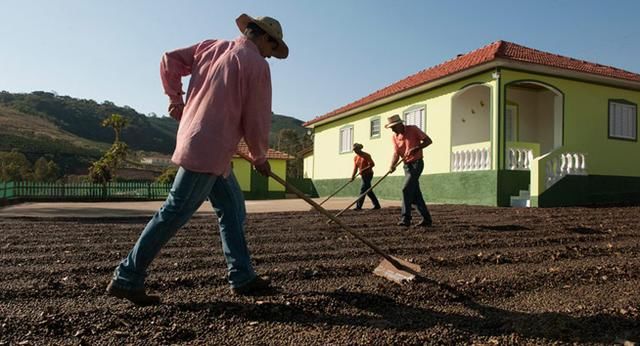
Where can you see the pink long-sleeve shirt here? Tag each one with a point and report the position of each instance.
(229, 97)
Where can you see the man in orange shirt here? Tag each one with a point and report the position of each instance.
(363, 162)
(408, 142)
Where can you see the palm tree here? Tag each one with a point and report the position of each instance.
(117, 122)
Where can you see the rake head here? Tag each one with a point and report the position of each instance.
(404, 272)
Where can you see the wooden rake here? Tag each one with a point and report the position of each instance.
(341, 187)
(366, 192)
(391, 268)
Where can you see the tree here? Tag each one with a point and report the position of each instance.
(99, 172)
(168, 175)
(45, 170)
(117, 122)
(290, 142)
(103, 170)
(14, 166)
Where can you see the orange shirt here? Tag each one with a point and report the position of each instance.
(402, 142)
(363, 162)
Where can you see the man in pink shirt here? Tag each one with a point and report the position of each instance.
(228, 98)
(408, 142)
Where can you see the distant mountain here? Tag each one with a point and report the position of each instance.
(69, 129)
(281, 122)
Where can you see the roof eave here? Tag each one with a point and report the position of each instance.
(415, 90)
(583, 76)
(497, 62)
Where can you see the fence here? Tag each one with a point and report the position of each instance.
(19, 191)
(34, 191)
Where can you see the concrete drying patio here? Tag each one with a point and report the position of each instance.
(147, 209)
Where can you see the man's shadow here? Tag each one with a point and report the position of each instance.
(385, 313)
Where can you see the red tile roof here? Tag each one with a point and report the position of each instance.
(496, 50)
(271, 153)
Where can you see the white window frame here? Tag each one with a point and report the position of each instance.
(623, 120)
(346, 139)
(511, 118)
(371, 127)
(416, 115)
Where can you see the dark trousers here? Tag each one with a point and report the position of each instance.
(366, 184)
(411, 193)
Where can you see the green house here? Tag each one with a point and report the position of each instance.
(254, 185)
(511, 126)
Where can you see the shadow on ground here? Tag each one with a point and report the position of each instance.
(382, 312)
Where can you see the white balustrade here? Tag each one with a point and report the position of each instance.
(564, 164)
(471, 160)
(519, 159)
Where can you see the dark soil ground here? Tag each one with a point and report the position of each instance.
(494, 276)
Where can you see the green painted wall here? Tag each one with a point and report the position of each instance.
(590, 190)
(279, 167)
(586, 117)
(510, 184)
(330, 164)
(243, 172)
(475, 188)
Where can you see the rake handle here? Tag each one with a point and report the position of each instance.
(329, 215)
(340, 189)
(366, 192)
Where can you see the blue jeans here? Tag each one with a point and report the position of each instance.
(189, 191)
(411, 193)
(366, 184)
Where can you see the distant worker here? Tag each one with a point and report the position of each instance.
(228, 98)
(363, 162)
(408, 142)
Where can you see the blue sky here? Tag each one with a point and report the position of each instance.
(340, 50)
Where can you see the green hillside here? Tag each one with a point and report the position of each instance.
(83, 119)
(69, 131)
(281, 122)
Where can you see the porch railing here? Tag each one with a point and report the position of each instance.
(550, 168)
(564, 164)
(471, 157)
(520, 155)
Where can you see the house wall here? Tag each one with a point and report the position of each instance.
(242, 170)
(535, 116)
(586, 116)
(331, 170)
(279, 167)
(545, 101)
(583, 127)
(525, 100)
(471, 116)
(307, 166)
(330, 164)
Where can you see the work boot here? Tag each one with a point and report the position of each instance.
(404, 223)
(375, 207)
(253, 287)
(138, 297)
(425, 223)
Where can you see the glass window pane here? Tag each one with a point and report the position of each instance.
(375, 127)
(623, 120)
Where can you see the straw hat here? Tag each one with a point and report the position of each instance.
(271, 27)
(393, 120)
(357, 146)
